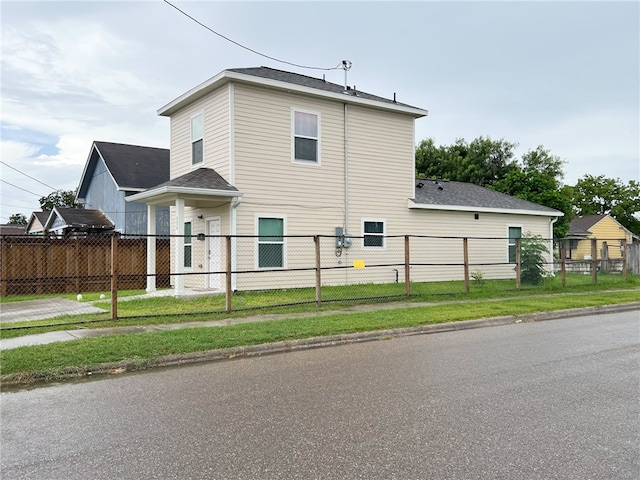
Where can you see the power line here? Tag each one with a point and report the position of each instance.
(13, 168)
(247, 48)
(20, 188)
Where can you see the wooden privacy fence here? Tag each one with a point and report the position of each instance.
(39, 265)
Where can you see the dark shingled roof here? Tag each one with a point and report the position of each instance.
(442, 192)
(133, 166)
(206, 178)
(42, 216)
(80, 217)
(580, 226)
(12, 229)
(311, 82)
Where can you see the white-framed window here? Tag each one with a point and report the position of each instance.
(197, 139)
(373, 231)
(188, 245)
(271, 245)
(513, 233)
(306, 136)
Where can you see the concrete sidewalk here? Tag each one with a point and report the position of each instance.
(79, 333)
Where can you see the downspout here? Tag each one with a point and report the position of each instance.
(346, 171)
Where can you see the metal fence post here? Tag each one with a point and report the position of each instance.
(563, 262)
(407, 267)
(316, 240)
(465, 253)
(594, 260)
(518, 262)
(114, 276)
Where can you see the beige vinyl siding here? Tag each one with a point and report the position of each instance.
(215, 108)
(309, 194)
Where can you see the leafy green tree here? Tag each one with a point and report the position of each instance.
(532, 259)
(17, 219)
(60, 199)
(599, 195)
(539, 181)
(483, 161)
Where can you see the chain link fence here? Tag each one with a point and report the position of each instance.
(201, 274)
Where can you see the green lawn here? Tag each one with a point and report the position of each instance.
(79, 357)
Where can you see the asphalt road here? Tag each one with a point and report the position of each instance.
(556, 399)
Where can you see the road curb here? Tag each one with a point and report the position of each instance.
(104, 369)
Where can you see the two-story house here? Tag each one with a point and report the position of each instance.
(269, 153)
(114, 171)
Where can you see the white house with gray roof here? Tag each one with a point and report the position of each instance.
(259, 151)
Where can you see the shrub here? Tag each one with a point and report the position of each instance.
(533, 249)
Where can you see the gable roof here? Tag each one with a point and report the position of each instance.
(132, 167)
(79, 218)
(289, 81)
(39, 217)
(461, 196)
(581, 225)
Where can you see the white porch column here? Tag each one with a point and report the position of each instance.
(151, 248)
(179, 279)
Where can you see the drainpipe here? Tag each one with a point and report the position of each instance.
(346, 172)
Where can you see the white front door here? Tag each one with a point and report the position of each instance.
(214, 254)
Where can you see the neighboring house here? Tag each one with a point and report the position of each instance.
(36, 224)
(606, 229)
(114, 171)
(77, 222)
(12, 229)
(259, 151)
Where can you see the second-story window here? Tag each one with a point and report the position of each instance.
(197, 134)
(306, 127)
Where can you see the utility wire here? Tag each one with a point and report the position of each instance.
(247, 48)
(20, 188)
(42, 183)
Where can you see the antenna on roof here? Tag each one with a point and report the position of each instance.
(346, 66)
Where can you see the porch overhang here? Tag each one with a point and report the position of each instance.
(193, 197)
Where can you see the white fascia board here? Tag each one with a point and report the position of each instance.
(181, 191)
(227, 76)
(464, 208)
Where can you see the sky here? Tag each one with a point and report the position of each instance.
(565, 75)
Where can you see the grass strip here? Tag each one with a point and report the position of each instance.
(57, 360)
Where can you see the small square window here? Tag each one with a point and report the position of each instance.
(373, 234)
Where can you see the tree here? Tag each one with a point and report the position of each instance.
(60, 199)
(483, 161)
(542, 189)
(17, 219)
(540, 160)
(601, 195)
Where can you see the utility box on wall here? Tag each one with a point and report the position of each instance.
(343, 240)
